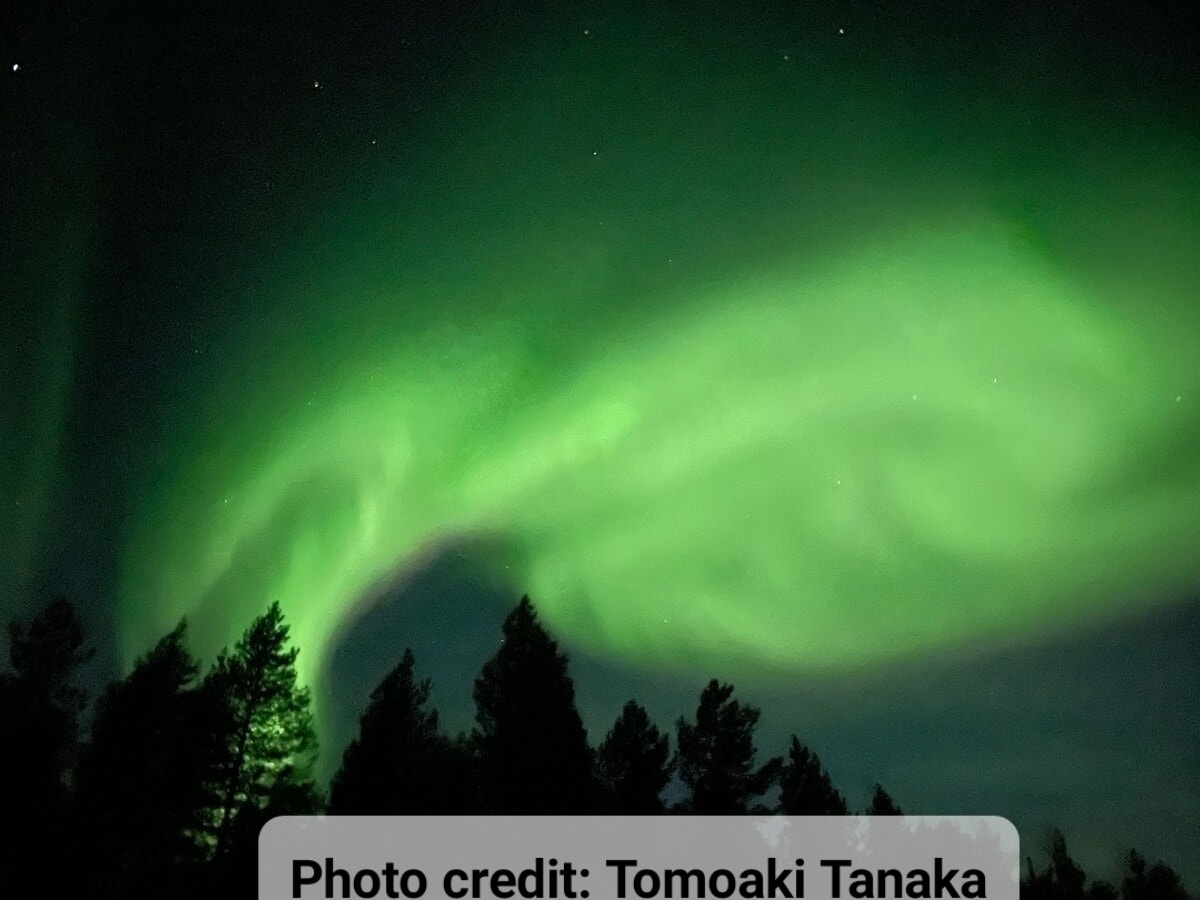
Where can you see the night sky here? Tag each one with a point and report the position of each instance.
(848, 352)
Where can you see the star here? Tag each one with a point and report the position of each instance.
(16, 67)
(841, 31)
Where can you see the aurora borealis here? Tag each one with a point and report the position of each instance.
(802, 344)
(935, 440)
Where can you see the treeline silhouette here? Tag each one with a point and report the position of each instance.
(162, 790)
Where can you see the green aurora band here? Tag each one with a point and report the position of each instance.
(924, 446)
(934, 432)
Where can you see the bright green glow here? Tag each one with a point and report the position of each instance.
(923, 441)
(743, 365)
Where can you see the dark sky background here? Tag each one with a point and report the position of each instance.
(169, 170)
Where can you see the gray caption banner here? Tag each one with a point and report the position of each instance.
(637, 857)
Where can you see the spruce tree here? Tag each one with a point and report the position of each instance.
(1063, 879)
(138, 783)
(882, 804)
(400, 762)
(1142, 881)
(805, 786)
(263, 741)
(532, 745)
(715, 755)
(40, 709)
(633, 764)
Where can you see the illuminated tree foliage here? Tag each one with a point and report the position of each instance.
(264, 742)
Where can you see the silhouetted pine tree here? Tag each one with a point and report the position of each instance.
(882, 803)
(805, 788)
(1150, 882)
(400, 763)
(139, 781)
(715, 755)
(263, 739)
(40, 709)
(532, 745)
(633, 764)
(1063, 878)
